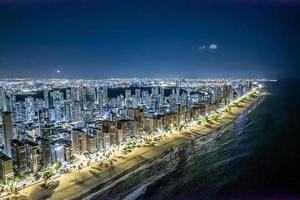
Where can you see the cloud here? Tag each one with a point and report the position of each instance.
(211, 46)
(202, 47)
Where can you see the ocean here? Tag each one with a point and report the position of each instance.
(256, 157)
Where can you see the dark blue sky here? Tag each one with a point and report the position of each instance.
(155, 38)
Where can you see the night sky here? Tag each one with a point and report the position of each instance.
(155, 38)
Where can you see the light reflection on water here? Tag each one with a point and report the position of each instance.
(211, 163)
(256, 158)
(256, 155)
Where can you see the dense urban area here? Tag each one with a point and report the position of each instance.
(55, 126)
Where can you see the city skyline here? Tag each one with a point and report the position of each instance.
(54, 127)
(149, 99)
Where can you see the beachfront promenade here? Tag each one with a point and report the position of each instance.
(79, 183)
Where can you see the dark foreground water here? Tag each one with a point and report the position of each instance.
(255, 157)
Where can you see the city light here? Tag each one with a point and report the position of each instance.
(76, 124)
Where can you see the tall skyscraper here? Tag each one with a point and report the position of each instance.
(6, 167)
(45, 149)
(19, 156)
(46, 98)
(7, 132)
(162, 92)
(105, 95)
(2, 99)
(100, 99)
(138, 93)
(29, 109)
(32, 155)
(20, 112)
(127, 94)
(177, 92)
(78, 139)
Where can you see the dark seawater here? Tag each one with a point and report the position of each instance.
(257, 157)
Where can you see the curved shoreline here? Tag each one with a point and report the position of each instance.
(90, 182)
(96, 192)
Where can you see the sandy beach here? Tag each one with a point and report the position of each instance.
(85, 182)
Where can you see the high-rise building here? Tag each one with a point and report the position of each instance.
(105, 95)
(6, 167)
(10, 101)
(137, 93)
(19, 112)
(178, 83)
(3, 100)
(177, 92)
(127, 94)
(91, 143)
(46, 98)
(57, 99)
(45, 149)
(155, 91)
(7, 132)
(99, 138)
(76, 111)
(100, 99)
(162, 92)
(29, 109)
(61, 150)
(173, 93)
(46, 131)
(32, 155)
(79, 141)
(18, 155)
(107, 141)
(128, 128)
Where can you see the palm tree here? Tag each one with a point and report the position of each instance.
(72, 158)
(57, 165)
(46, 176)
(37, 176)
